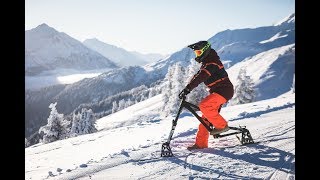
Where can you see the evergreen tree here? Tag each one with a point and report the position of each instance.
(143, 97)
(166, 91)
(114, 106)
(122, 104)
(57, 127)
(83, 123)
(75, 128)
(152, 92)
(128, 103)
(176, 79)
(244, 91)
(198, 93)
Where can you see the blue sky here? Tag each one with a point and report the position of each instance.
(153, 26)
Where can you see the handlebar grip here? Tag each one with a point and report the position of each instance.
(182, 95)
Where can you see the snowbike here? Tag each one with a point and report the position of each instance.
(245, 134)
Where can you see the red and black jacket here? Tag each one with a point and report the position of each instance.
(214, 76)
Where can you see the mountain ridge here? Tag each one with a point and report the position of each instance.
(47, 49)
(116, 54)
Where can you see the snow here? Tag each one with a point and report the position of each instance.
(270, 71)
(238, 44)
(48, 49)
(127, 146)
(259, 64)
(289, 19)
(273, 38)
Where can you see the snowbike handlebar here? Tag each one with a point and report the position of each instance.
(182, 95)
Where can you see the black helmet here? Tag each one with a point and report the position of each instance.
(201, 49)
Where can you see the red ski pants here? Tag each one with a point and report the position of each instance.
(209, 107)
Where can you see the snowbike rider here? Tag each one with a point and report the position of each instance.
(215, 77)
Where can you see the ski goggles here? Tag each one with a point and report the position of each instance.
(199, 52)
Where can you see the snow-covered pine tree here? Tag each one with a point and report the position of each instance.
(57, 127)
(152, 92)
(198, 93)
(75, 128)
(143, 97)
(83, 123)
(176, 79)
(89, 121)
(114, 106)
(122, 104)
(166, 90)
(244, 91)
(129, 102)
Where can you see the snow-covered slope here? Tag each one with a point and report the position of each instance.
(271, 71)
(118, 55)
(128, 143)
(287, 20)
(48, 49)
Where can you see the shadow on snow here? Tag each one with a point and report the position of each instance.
(263, 156)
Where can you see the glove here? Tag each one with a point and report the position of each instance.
(184, 92)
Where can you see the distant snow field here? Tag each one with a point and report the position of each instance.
(273, 38)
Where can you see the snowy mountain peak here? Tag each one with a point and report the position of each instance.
(44, 29)
(43, 25)
(287, 20)
(92, 39)
(235, 45)
(95, 40)
(48, 49)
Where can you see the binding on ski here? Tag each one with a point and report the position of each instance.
(245, 134)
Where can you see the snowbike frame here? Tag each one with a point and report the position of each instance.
(166, 150)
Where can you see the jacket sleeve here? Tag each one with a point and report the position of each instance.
(198, 78)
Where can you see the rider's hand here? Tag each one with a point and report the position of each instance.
(184, 92)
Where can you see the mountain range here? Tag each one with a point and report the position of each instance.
(46, 49)
(235, 45)
(119, 55)
(268, 54)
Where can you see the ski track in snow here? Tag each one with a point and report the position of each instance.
(272, 156)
